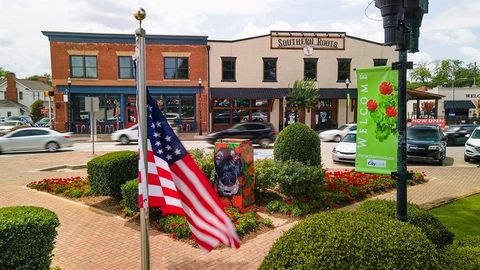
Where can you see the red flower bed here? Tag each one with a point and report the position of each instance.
(71, 187)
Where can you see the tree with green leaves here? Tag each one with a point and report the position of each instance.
(421, 74)
(3, 73)
(304, 95)
(36, 110)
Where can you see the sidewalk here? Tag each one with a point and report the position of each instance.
(92, 239)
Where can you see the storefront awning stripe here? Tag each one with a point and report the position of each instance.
(127, 90)
(459, 104)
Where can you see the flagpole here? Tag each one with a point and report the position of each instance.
(142, 112)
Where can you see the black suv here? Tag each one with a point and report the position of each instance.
(426, 143)
(457, 134)
(257, 132)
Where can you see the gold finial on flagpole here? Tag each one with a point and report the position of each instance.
(140, 15)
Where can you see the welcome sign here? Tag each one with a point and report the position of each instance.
(377, 120)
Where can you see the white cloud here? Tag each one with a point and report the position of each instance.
(355, 3)
(471, 53)
(462, 14)
(459, 36)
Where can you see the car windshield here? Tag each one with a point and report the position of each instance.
(342, 127)
(350, 138)
(423, 135)
(476, 134)
(453, 128)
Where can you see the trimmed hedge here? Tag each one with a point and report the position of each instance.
(129, 200)
(266, 174)
(108, 172)
(431, 226)
(351, 240)
(298, 142)
(462, 257)
(27, 237)
(204, 162)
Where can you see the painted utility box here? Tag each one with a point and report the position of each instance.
(234, 174)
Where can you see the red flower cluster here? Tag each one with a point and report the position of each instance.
(386, 88)
(72, 187)
(372, 105)
(391, 111)
(354, 185)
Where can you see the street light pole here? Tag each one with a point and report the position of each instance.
(347, 83)
(200, 106)
(69, 113)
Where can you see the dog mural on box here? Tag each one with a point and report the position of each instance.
(228, 168)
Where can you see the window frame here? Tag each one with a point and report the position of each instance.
(176, 77)
(265, 60)
(305, 62)
(132, 73)
(376, 60)
(349, 62)
(83, 66)
(233, 70)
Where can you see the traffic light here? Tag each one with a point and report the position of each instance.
(49, 93)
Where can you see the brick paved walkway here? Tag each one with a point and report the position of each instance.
(91, 239)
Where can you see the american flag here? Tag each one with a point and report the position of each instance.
(178, 186)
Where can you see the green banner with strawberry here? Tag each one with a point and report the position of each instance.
(377, 120)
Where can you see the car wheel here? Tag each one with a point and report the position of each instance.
(52, 147)
(467, 159)
(124, 139)
(264, 143)
(337, 138)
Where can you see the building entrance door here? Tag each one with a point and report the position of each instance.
(131, 113)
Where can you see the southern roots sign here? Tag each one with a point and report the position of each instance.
(377, 120)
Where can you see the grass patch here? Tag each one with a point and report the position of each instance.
(461, 217)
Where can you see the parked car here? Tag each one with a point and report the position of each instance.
(257, 117)
(337, 134)
(457, 134)
(31, 138)
(426, 143)
(258, 132)
(8, 126)
(345, 151)
(125, 136)
(44, 122)
(472, 146)
(2, 119)
(22, 118)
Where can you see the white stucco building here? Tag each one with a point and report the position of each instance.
(249, 77)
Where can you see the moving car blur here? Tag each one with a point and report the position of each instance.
(35, 139)
(337, 134)
(125, 136)
(8, 126)
(457, 134)
(258, 132)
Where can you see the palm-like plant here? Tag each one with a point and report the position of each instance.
(304, 94)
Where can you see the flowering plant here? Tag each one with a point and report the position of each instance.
(292, 207)
(384, 112)
(72, 187)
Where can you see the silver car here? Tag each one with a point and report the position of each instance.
(27, 139)
(346, 150)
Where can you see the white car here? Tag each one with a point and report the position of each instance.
(125, 136)
(337, 134)
(7, 126)
(346, 150)
(27, 139)
(472, 146)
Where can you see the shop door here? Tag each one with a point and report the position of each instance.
(324, 119)
(131, 113)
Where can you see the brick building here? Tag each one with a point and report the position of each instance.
(100, 65)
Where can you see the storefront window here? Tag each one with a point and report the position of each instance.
(241, 103)
(221, 117)
(221, 103)
(260, 102)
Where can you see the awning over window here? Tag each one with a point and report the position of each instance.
(337, 93)
(459, 104)
(255, 93)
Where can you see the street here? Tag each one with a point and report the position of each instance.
(454, 153)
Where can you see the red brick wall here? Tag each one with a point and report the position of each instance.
(107, 63)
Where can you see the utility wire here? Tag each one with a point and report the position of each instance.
(366, 15)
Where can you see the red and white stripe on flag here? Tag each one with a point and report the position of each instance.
(182, 188)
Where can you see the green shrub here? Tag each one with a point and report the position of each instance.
(460, 257)
(351, 240)
(266, 173)
(176, 225)
(107, 173)
(129, 200)
(300, 181)
(290, 207)
(298, 142)
(27, 237)
(431, 226)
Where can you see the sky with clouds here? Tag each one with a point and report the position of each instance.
(451, 29)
